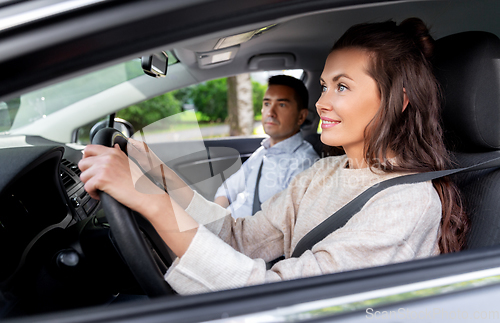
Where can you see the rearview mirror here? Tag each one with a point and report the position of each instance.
(155, 65)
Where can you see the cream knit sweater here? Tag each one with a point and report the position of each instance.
(398, 224)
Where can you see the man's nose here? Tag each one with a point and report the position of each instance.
(271, 110)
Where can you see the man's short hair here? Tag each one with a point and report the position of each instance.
(301, 94)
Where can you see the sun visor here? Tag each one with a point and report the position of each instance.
(216, 57)
(241, 38)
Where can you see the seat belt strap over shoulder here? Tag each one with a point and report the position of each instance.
(256, 200)
(344, 214)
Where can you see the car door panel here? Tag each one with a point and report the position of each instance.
(204, 165)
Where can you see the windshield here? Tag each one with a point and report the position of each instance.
(32, 106)
(39, 104)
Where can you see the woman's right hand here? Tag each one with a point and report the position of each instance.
(146, 158)
(108, 170)
(161, 173)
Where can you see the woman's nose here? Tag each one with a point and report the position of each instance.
(323, 104)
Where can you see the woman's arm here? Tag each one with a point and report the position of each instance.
(161, 173)
(109, 170)
(400, 224)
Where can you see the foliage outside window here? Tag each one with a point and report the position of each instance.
(209, 99)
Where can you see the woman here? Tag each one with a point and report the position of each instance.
(380, 103)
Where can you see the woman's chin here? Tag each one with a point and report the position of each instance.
(329, 141)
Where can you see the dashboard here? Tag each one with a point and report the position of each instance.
(80, 201)
(40, 193)
(56, 247)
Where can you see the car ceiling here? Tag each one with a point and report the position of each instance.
(307, 35)
(310, 36)
(306, 28)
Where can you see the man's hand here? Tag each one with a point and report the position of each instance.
(222, 201)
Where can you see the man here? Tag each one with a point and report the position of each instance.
(281, 156)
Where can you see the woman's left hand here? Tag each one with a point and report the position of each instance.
(109, 170)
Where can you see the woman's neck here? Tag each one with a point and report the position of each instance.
(356, 160)
(354, 163)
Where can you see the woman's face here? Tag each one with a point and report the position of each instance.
(349, 100)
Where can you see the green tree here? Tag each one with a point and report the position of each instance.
(210, 98)
(258, 91)
(240, 105)
(183, 95)
(149, 111)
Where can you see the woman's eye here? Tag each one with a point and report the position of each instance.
(341, 88)
(323, 88)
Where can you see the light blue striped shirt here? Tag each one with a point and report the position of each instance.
(281, 163)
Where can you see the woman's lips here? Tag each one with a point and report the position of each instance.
(328, 123)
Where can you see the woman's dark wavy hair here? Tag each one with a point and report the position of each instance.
(400, 63)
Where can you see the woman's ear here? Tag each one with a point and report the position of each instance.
(405, 99)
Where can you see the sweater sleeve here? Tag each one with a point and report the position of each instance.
(227, 256)
(208, 213)
(394, 226)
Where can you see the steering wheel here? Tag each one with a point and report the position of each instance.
(125, 232)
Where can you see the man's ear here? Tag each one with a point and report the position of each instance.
(302, 116)
(405, 99)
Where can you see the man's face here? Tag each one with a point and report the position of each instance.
(280, 116)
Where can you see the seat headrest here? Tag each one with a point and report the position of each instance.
(467, 65)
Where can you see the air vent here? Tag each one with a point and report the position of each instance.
(72, 166)
(69, 171)
(67, 180)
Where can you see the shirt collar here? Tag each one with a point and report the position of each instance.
(287, 145)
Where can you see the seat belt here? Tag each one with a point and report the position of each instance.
(344, 214)
(256, 200)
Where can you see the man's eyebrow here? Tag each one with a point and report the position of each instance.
(284, 99)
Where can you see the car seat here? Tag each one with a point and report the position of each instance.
(467, 65)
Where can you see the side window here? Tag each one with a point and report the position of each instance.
(208, 106)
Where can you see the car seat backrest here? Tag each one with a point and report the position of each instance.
(467, 65)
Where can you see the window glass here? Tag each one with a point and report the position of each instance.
(83, 133)
(40, 103)
(177, 115)
(5, 120)
(35, 105)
